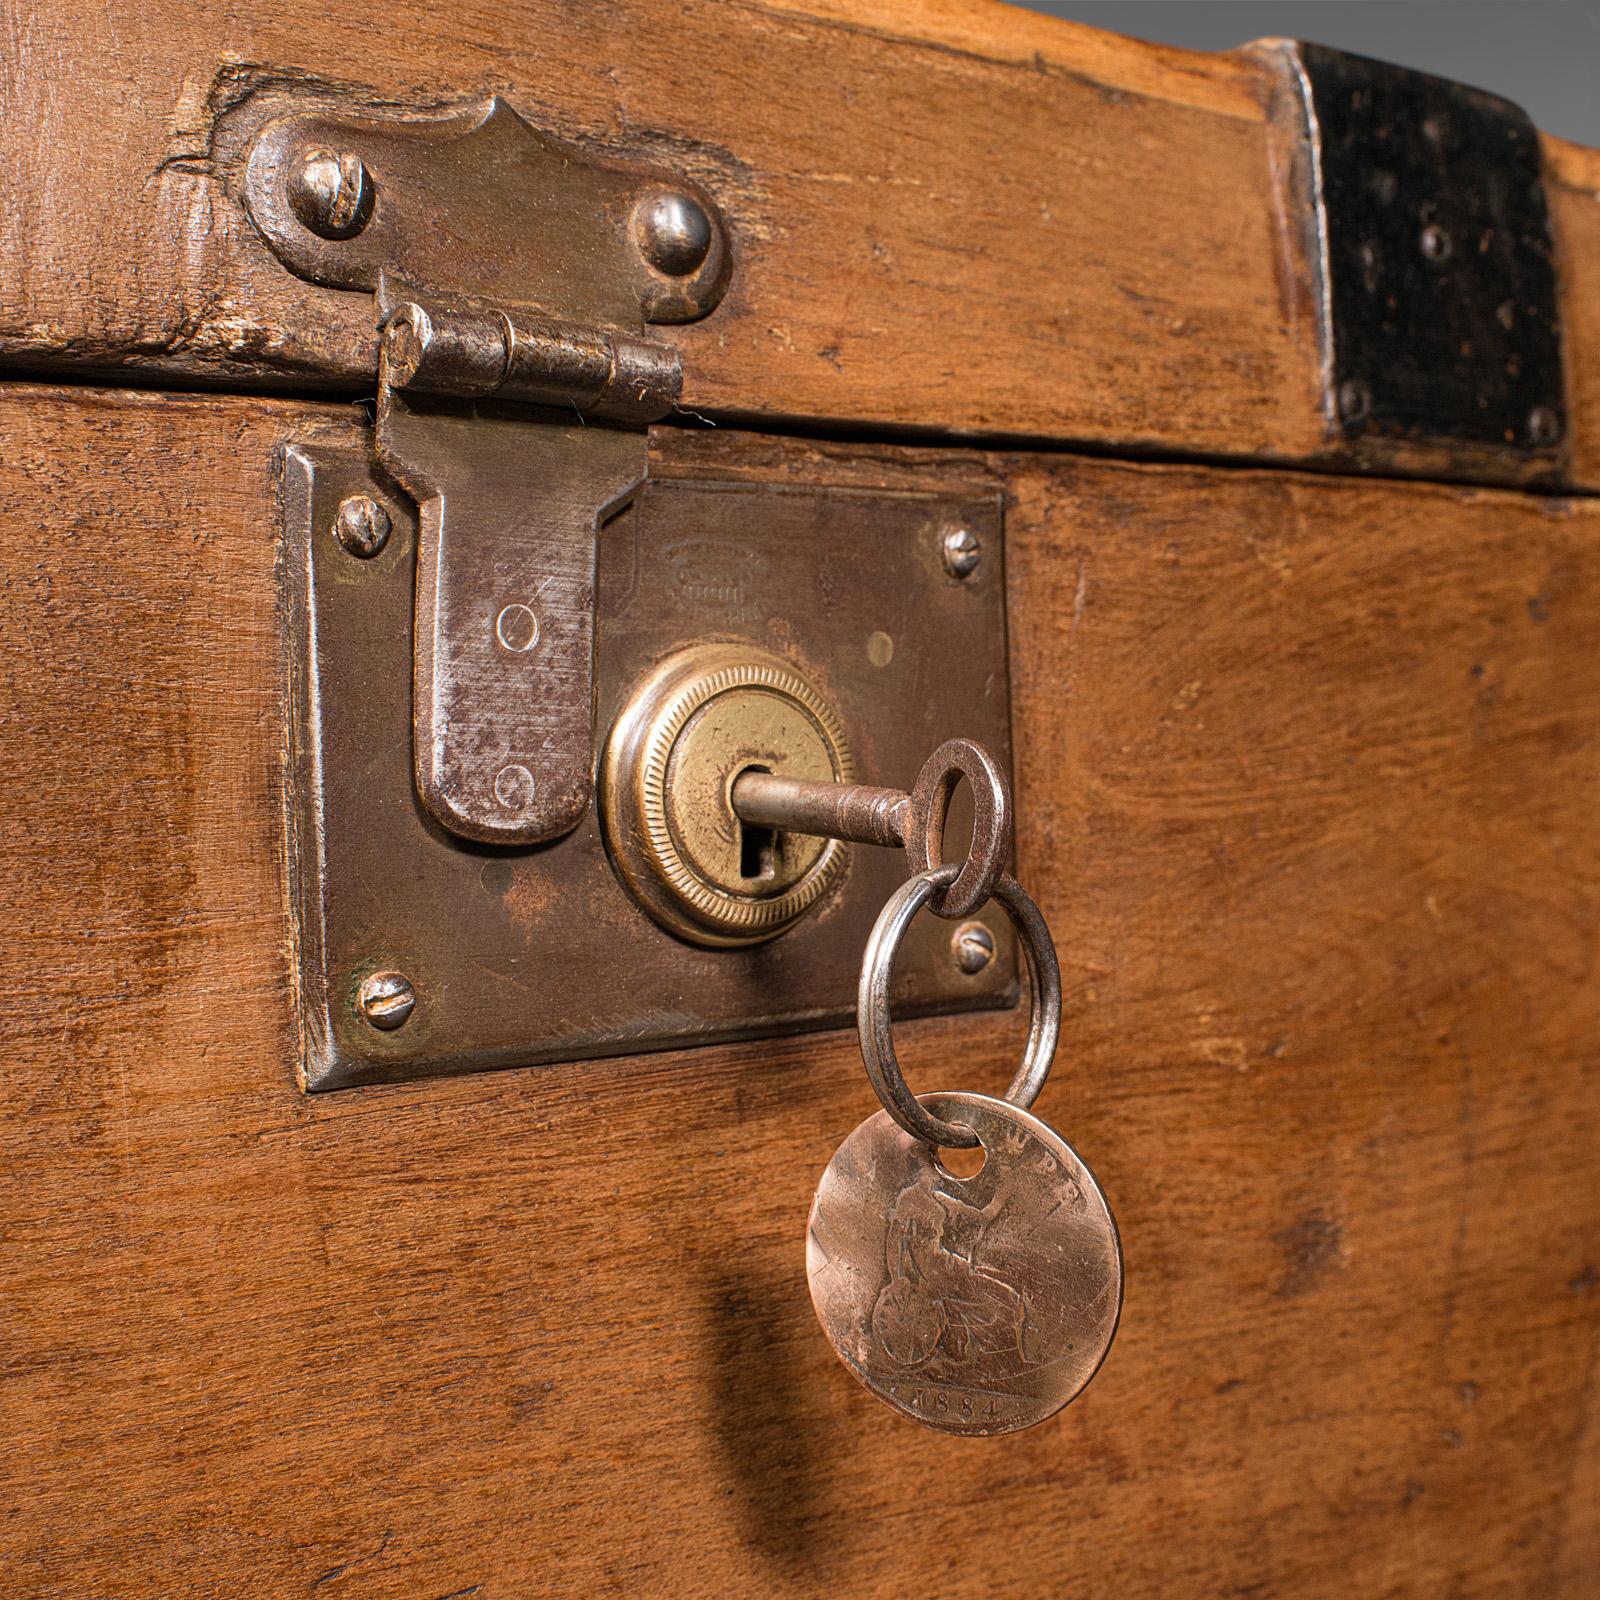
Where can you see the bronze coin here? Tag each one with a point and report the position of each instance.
(975, 1305)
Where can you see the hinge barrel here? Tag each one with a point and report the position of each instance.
(476, 355)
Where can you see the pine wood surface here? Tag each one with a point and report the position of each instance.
(957, 216)
(1306, 775)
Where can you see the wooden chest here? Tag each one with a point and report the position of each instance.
(1271, 384)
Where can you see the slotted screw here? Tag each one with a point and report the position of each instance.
(331, 192)
(387, 999)
(973, 947)
(962, 550)
(361, 525)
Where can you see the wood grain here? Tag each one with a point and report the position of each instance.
(959, 217)
(876, 184)
(1306, 780)
(1573, 187)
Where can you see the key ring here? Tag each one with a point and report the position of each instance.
(872, 1004)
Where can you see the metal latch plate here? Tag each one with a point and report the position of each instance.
(517, 956)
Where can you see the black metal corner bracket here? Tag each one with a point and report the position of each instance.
(1439, 302)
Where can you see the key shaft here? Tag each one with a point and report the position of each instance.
(856, 812)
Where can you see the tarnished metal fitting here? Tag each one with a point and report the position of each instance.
(1436, 245)
(386, 1000)
(673, 232)
(431, 350)
(1544, 426)
(331, 192)
(699, 722)
(1355, 401)
(962, 551)
(361, 525)
(972, 945)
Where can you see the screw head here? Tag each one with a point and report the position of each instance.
(973, 947)
(386, 999)
(1355, 400)
(673, 232)
(331, 192)
(361, 525)
(1544, 425)
(962, 550)
(1435, 242)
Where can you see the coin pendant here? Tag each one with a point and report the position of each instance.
(975, 1305)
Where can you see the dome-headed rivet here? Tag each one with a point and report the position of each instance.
(674, 233)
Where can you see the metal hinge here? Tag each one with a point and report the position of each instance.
(504, 266)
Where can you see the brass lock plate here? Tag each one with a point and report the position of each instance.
(697, 721)
(421, 953)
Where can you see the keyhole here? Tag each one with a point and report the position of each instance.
(758, 846)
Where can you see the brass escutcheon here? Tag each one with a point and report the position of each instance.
(700, 719)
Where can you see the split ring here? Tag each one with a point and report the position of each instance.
(872, 1004)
